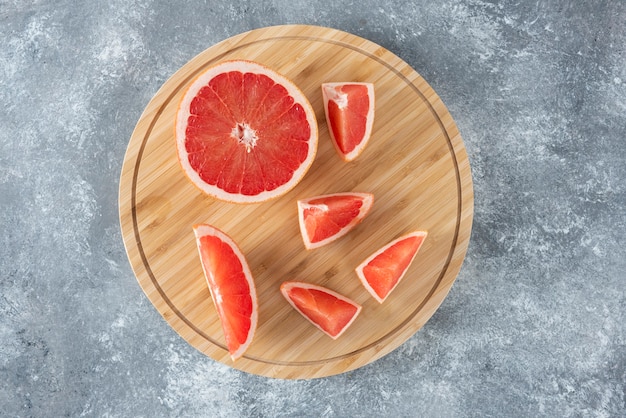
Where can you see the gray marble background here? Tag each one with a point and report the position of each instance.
(534, 325)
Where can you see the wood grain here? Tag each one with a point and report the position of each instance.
(415, 165)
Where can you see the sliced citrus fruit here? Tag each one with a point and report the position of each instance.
(382, 271)
(326, 218)
(231, 286)
(327, 310)
(349, 109)
(245, 133)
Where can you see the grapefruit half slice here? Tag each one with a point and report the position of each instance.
(381, 272)
(231, 286)
(349, 109)
(245, 133)
(327, 310)
(325, 218)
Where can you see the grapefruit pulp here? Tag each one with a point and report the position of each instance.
(325, 218)
(231, 286)
(349, 110)
(245, 133)
(381, 272)
(329, 311)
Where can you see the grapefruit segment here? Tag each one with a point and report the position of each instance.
(325, 218)
(231, 286)
(245, 133)
(381, 272)
(329, 311)
(349, 110)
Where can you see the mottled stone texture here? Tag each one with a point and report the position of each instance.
(535, 324)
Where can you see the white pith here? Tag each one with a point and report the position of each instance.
(245, 135)
(249, 140)
(341, 99)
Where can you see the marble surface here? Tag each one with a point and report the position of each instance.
(534, 325)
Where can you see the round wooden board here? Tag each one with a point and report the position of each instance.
(415, 165)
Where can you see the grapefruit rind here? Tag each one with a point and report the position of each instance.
(327, 89)
(368, 201)
(361, 275)
(183, 114)
(285, 287)
(202, 230)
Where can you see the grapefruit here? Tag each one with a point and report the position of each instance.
(349, 109)
(245, 133)
(381, 272)
(325, 218)
(327, 310)
(231, 286)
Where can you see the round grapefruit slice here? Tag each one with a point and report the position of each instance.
(327, 310)
(325, 218)
(349, 109)
(382, 271)
(231, 286)
(245, 133)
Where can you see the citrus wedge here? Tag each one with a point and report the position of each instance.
(325, 218)
(231, 286)
(349, 109)
(329, 311)
(245, 133)
(381, 272)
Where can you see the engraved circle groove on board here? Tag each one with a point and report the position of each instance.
(215, 59)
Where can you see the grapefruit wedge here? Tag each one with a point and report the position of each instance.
(329, 311)
(349, 109)
(325, 218)
(381, 272)
(231, 286)
(245, 133)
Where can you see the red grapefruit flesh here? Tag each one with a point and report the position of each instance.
(231, 286)
(329, 311)
(382, 271)
(245, 133)
(325, 218)
(349, 109)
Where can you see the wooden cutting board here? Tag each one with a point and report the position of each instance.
(415, 165)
